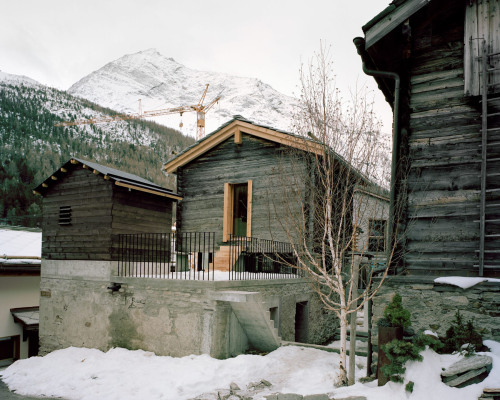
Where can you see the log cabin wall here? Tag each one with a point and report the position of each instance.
(87, 233)
(444, 145)
(98, 211)
(201, 183)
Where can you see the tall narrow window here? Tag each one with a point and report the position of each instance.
(237, 210)
(376, 238)
(65, 215)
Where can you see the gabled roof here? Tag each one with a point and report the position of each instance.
(391, 17)
(236, 127)
(119, 178)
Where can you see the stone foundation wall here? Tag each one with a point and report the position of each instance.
(433, 306)
(168, 317)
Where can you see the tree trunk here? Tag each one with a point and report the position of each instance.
(342, 381)
(352, 332)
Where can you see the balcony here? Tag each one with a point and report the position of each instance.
(196, 256)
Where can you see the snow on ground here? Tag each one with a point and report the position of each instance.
(464, 282)
(88, 374)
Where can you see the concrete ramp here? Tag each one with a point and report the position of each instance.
(254, 318)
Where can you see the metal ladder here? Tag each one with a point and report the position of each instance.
(489, 245)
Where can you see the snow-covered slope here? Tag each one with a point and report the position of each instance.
(161, 82)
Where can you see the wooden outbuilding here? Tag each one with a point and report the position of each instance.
(437, 63)
(87, 205)
(249, 180)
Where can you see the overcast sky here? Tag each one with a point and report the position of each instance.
(57, 42)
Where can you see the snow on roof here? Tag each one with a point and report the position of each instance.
(463, 282)
(22, 242)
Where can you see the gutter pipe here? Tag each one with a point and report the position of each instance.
(359, 42)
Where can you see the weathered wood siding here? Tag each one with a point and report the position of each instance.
(100, 211)
(88, 237)
(444, 141)
(201, 183)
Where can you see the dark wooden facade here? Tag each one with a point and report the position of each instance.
(284, 191)
(262, 162)
(84, 210)
(440, 136)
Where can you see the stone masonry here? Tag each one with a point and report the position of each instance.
(433, 306)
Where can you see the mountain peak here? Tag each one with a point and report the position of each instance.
(163, 83)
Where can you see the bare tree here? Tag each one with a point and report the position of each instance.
(329, 198)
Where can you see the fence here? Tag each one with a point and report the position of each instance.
(254, 258)
(187, 255)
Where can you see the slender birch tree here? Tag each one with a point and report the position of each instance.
(326, 219)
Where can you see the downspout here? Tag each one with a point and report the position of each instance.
(359, 42)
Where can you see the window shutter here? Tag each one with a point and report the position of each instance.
(482, 22)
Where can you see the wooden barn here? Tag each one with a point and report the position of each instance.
(240, 180)
(87, 205)
(437, 63)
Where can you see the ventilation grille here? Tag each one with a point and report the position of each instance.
(65, 215)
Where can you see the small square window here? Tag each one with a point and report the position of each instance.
(65, 215)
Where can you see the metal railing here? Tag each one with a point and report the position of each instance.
(252, 258)
(186, 255)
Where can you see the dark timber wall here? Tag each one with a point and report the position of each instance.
(99, 211)
(201, 183)
(444, 145)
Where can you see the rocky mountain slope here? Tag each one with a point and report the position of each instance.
(162, 82)
(31, 147)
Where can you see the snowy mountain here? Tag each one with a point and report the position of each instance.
(162, 83)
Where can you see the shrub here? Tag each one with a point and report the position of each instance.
(395, 314)
(409, 386)
(460, 334)
(398, 352)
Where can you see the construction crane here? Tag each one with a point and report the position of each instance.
(199, 108)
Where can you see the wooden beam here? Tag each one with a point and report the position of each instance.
(54, 178)
(247, 128)
(141, 189)
(36, 193)
(96, 172)
(85, 166)
(227, 221)
(106, 177)
(392, 20)
(237, 136)
(63, 169)
(73, 161)
(45, 185)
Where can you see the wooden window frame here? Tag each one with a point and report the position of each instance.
(227, 224)
(377, 237)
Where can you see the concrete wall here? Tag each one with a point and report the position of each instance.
(433, 306)
(17, 291)
(168, 317)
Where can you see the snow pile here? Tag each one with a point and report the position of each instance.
(463, 282)
(20, 243)
(88, 374)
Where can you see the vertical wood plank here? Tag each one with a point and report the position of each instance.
(249, 209)
(228, 212)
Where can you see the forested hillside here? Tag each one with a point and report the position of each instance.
(31, 147)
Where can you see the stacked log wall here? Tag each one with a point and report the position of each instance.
(88, 236)
(445, 138)
(201, 183)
